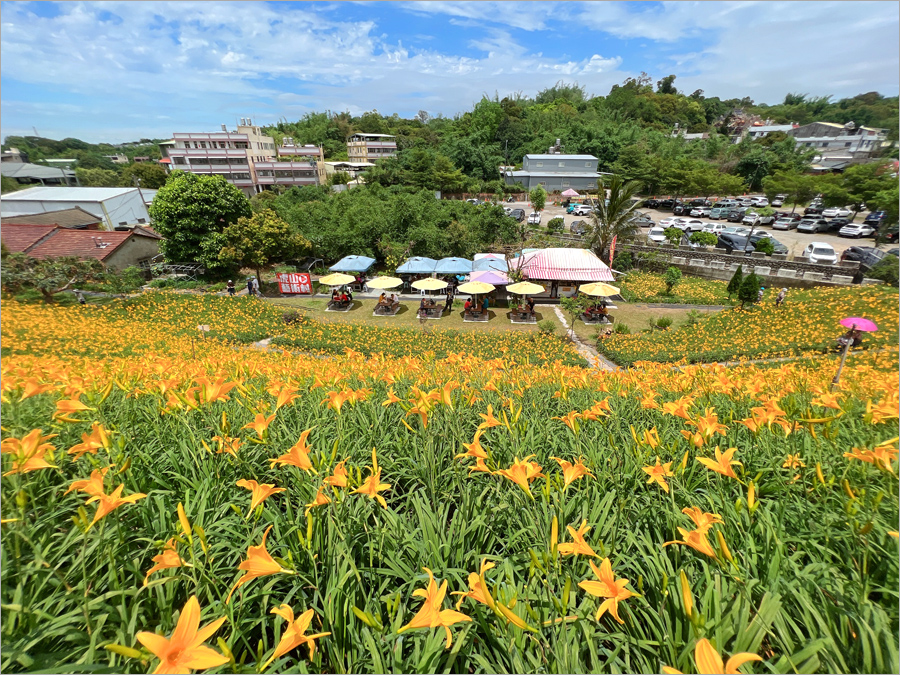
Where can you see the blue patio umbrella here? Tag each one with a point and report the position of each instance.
(353, 263)
(490, 265)
(417, 265)
(453, 266)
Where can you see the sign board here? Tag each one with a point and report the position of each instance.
(203, 327)
(294, 282)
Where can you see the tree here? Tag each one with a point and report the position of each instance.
(666, 85)
(765, 245)
(671, 277)
(538, 198)
(574, 307)
(556, 225)
(704, 238)
(151, 175)
(190, 210)
(863, 182)
(673, 235)
(614, 215)
(795, 186)
(260, 240)
(734, 286)
(8, 184)
(96, 177)
(124, 281)
(749, 290)
(49, 276)
(339, 178)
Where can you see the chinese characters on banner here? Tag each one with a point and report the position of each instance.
(294, 283)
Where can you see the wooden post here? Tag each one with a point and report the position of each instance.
(837, 376)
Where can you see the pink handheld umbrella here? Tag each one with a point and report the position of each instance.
(858, 323)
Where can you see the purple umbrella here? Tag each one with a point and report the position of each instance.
(858, 323)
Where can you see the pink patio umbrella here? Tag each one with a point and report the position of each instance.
(570, 193)
(853, 323)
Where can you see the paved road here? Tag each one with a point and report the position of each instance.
(795, 241)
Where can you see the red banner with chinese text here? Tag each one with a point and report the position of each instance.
(294, 282)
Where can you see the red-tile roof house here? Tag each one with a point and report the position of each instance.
(116, 250)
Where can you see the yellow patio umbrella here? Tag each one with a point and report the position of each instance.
(475, 287)
(598, 288)
(337, 279)
(384, 282)
(429, 284)
(524, 288)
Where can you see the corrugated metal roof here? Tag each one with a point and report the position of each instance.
(581, 157)
(67, 194)
(565, 264)
(560, 174)
(26, 170)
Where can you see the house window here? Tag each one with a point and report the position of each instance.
(539, 164)
(824, 145)
(203, 144)
(565, 183)
(846, 145)
(587, 164)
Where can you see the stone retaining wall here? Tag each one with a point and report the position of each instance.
(775, 270)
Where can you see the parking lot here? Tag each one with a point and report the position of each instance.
(795, 241)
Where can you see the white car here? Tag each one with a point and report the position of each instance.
(751, 218)
(760, 201)
(582, 210)
(785, 224)
(700, 212)
(856, 230)
(836, 213)
(821, 253)
(778, 201)
(691, 225)
(507, 210)
(534, 218)
(656, 234)
(671, 221)
(715, 228)
(736, 229)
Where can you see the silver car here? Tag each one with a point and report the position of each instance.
(785, 224)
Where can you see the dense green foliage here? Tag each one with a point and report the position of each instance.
(48, 276)
(260, 240)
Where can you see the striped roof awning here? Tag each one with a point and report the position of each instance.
(565, 264)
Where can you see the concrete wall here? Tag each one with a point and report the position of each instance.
(135, 249)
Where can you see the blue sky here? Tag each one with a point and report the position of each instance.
(119, 71)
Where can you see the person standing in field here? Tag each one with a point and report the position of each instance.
(230, 287)
(781, 297)
(448, 305)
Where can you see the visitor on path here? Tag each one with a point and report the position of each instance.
(230, 287)
(256, 288)
(759, 296)
(250, 286)
(448, 305)
(80, 297)
(781, 297)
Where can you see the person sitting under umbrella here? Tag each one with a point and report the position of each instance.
(853, 337)
(529, 303)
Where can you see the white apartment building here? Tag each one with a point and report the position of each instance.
(246, 157)
(370, 147)
(857, 142)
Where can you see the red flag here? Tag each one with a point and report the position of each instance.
(612, 250)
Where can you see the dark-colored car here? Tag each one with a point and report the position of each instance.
(890, 235)
(866, 256)
(665, 203)
(875, 218)
(813, 210)
(700, 202)
(681, 209)
(736, 215)
(578, 227)
(651, 203)
(732, 242)
(837, 223)
(756, 237)
(518, 214)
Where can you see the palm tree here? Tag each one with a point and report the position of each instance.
(613, 217)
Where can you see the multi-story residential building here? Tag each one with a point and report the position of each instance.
(313, 154)
(246, 158)
(371, 147)
(856, 142)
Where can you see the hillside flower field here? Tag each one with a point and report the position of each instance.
(807, 322)
(172, 503)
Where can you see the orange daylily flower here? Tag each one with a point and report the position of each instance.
(321, 499)
(522, 473)
(168, 559)
(284, 394)
(658, 474)
(880, 456)
(649, 437)
(572, 472)
(335, 400)
(258, 564)
(33, 388)
(578, 546)
(480, 466)
(827, 400)
(372, 485)
(570, 419)
(722, 463)
(710, 663)
(431, 615)
(91, 442)
(793, 462)
(696, 539)
(293, 636)
(703, 520)
(185, 651)
(260, 424)
(227, 444)
(93, 486)
(66, 407)
(260, 492)
(297, 456)
(29, 452)
(109, 503)
(607, 587)
(474, 448)
(479, 591)
(708, 425)
(392, 398)
(210, 391)
(489, 419)
(338, 477)
(679, 408)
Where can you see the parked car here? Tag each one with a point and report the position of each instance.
(736, 215)
(728, 203)
(718, 212)
(785, 224)
(812, 225)
(665, 204)
(738, 230)
(582, 210)
(890, 234)
(518, 214)
(856, 230)
(750, 218)
(700, 201)
(757, 236)
(715, 228)
(812, 210)
(875, 218)
(778, 201)
(651, 203)
(642, 219)
(834, 212)
(759, 201)
(578, 227)
(690, 225)
(820, 253)
(670, 222)
(473, 201)
(656, 234)
(681, 209)
(507, 210)
(836, 224)
(732, 242)
(700, 212)
(866, 256)
(534, 218)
